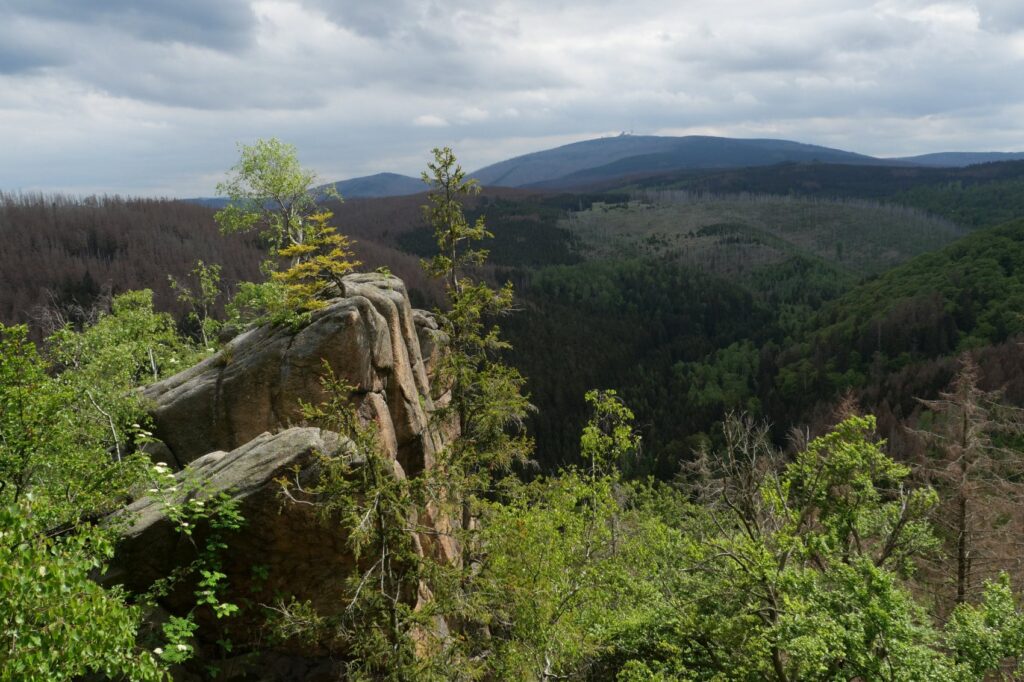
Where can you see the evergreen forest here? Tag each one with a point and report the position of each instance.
(743, 424)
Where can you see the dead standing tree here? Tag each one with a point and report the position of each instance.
(970, 461)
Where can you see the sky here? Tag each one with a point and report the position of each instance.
(152, 97)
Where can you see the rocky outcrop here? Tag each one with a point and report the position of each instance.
(232, 424)
(370, 336)
(290, 547)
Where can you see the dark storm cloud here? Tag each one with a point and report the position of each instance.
(217, 24)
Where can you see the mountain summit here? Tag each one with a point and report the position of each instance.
(609, 157)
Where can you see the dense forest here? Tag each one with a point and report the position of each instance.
(726, 425)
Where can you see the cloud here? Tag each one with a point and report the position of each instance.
(21, 54)
(1001, 16)
(224, 24)
(429, 121)
(151, 97)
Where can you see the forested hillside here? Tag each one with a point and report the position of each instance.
(636, 440)
(895, 337)
(65, 253)
(982, 195)
(681, 299)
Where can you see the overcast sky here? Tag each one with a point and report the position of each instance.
(151, 96)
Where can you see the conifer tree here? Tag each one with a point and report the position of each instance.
(486, 395)
(318, 263)
(978, 476)
(270, 191)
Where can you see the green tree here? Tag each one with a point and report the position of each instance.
(319, 263)
(270, 191)
(608, 438)
(475, 389)
(69, 425)
(55, 622)
(201, 299)
(486, 395)
(454, 235)
(70, 417)
(803, 570)
(387, 628)
(563, 558)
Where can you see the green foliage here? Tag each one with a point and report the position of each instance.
(973, 204)
(989, 636)
(201, 300)
(383, 625)
(188, 503)
(69, 425)
(608, 438)
(29, 399)
(797, 571)
(549, 579)
(132, 345)
(178, 633)
(656, 331)
(318, 263)
(55, 622)
(453, 233)
(560, 558)
(268, 190)
(255, 303)
(485, 394)
(963, 297)
(759, 568)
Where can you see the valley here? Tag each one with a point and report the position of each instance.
(738, 322)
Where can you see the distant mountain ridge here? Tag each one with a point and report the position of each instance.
(605, 158)
(365, 187)
(961, 159)
(380, 185)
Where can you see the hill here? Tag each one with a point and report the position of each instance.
(738, 233)
(610, 157)
(365, 187)
(681, 302)
(895, 337)
(63, 253)
(961, 159)
(379, 185)
(975, 196)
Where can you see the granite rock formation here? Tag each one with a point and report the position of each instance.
(234, 423)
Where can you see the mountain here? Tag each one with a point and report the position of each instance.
(592, 162)
(610, 157)
(215, 203)
(365, 187)
(380, 185)
(960, 159)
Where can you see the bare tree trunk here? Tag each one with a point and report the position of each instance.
(961, 549)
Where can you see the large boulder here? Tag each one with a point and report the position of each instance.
(233, 424)
(369, 336)
(295, 552)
